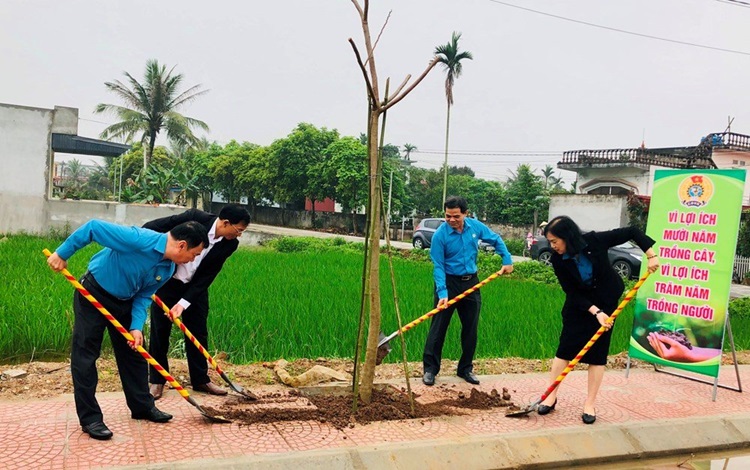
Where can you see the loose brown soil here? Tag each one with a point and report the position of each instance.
(388, 404)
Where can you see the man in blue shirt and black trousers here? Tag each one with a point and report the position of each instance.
(454, 250)
(123, 276)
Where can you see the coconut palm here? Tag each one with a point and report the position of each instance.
(151, 107)
(450, 57)
(409, 148)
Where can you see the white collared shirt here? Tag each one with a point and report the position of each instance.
(185, 272)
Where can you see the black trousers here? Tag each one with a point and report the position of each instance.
(195, 319)
(88, 333)
(468, 312)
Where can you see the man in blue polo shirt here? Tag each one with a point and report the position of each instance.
(122, 277)
(454, 249)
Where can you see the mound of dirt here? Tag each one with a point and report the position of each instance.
(388, 404)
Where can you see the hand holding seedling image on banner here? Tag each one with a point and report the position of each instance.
(680, 317)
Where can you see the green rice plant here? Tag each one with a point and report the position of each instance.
(266, 305)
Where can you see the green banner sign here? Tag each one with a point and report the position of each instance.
(680, 313)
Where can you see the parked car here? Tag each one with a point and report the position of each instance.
(625, 258)
(423, 233)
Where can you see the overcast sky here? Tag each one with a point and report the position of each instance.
(537, 84)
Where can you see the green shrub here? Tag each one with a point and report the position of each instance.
(739, 308)
(515, 246)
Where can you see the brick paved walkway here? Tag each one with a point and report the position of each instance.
(44, 434)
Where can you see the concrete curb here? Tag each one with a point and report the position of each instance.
(558, 449)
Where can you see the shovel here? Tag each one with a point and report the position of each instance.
(628, 297)
(247, 394)
(384, 347)
(176, 385)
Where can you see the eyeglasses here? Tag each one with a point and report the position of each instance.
(239, 232)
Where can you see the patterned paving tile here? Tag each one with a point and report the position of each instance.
(311, 435)
(44, 434)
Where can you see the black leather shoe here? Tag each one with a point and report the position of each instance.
(98, 431)
(470, 377)
(154, 415)
(588, 419)
(428, 378)
(545, 410)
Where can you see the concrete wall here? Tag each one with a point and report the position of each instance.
(736, 160)
(299, 219)
(591, 212)
(26, 163)
(24, 159)
(67, 215)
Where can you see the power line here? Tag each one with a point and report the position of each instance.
(92, 120)
(609, 28)
(736, 3)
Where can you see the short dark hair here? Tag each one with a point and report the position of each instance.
(194, 233)
(456, 202)
(564, 228)
(235, 214)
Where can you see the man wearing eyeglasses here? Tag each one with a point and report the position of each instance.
(187, 292)
(454, 250)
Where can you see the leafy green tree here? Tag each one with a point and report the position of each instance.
(450, 57)
(226, 167)
(254, 177)
(198, 162)
(292, 159)
(524, 193)
(132, 162)
(151, 107)
(345, 166)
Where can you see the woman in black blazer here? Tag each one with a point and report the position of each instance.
(592, 291)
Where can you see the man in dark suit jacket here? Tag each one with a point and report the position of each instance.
(187, 291)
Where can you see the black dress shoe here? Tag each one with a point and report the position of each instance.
(154, 415)
(588, 419)
(98, 431)
(428, 378)
(545, 410)
(470, 377)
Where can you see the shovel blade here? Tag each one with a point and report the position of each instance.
(383, 349)
(513, 413)
(213, 418)
(245, 393)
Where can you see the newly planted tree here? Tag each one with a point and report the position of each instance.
(377, 105)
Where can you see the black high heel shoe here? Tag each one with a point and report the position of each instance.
(588, 419)
(544, 409)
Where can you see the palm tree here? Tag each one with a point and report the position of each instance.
(547, 173)
(151, 107)
(409, 148)
(451, 58)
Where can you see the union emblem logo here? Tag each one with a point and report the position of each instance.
(696, 191)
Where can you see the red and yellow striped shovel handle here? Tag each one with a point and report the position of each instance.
(176, 385)
(187, 332)
(628, 297)
(452, 301)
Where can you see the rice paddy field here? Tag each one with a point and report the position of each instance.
(267, 304)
